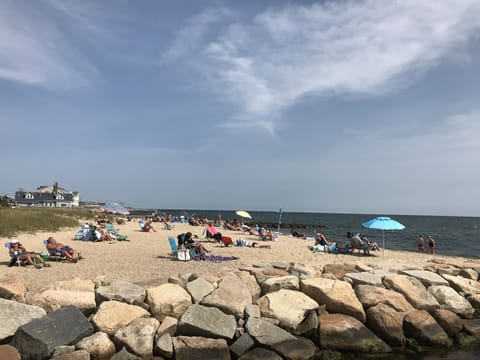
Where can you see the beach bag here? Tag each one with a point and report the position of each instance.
(183, 255)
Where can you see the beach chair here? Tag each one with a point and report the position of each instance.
(141, 223)
(14, 260)
(178, 254)
(54, 255)
(114, 232)
(78, 235)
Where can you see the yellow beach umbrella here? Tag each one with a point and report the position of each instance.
(243, 214)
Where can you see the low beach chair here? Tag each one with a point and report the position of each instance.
(54, 255)
(14, 260)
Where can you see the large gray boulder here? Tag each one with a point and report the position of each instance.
(242, 344)
(260, 353)
(164, 346)
(231, 296)
(339, 270)
(461, 284)
(364, 278)
(386, 323)
(286, 344)
(413, 290)
(288, 306)
(338, 296)
(472, 326)
(122, 291)
(449, 299)
(168, 300)
(421, 326)
(38, 338)
(200, 348)
(345, 333)
(205, 321)
(168, 326)
(428, 278)
(14, 314)
(250, 282)
(289, 282)
(12, 288)
(113, 315)
(98, 345)
(370, 296)
(199, 288)
(449, 321)
(52, 300)
(138, 336)
(74, 355)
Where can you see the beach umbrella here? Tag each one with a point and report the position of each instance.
(115, 208)
(383, 223)
(243, 214)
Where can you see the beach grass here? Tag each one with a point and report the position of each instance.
(20, 220)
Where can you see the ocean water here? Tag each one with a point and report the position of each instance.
(454, 235)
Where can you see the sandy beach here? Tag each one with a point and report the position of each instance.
(144, 259)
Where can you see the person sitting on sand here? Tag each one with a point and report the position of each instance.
(185, 240)
(320, 239)
(213, 233)
(247, 243)
(298, 234)
(18, 251)
(67, 251)
(148, 227)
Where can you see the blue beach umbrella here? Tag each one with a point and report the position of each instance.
(383, 223)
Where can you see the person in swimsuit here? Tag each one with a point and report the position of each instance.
(67, 251)
(420, 243)
(431, 245)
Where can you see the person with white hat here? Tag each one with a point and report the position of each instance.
(17, 250)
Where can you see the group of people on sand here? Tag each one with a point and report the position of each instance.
(18, 252)
(421, 244)
(356, 242)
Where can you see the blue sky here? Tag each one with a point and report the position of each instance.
(338, 106)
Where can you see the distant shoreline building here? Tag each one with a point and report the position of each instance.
(48, 196)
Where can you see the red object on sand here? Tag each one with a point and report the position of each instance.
(227, 240)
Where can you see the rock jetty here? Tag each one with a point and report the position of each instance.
(273, 311)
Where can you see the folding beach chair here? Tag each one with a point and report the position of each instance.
(14, 259)
(178, 254)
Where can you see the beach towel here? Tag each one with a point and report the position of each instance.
(214, 258)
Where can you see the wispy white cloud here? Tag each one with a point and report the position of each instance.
(35, 50)
(348, 47)
(193, 34)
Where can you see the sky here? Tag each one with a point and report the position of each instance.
(317, 106)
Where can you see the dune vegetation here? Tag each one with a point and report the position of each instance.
(14, 221)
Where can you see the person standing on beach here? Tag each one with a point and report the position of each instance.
(431, 245)
(420, 243)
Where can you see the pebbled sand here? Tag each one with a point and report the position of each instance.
(144, 259)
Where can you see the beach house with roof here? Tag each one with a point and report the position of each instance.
(47, 196)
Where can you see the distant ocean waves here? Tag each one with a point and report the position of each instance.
(457, 236)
